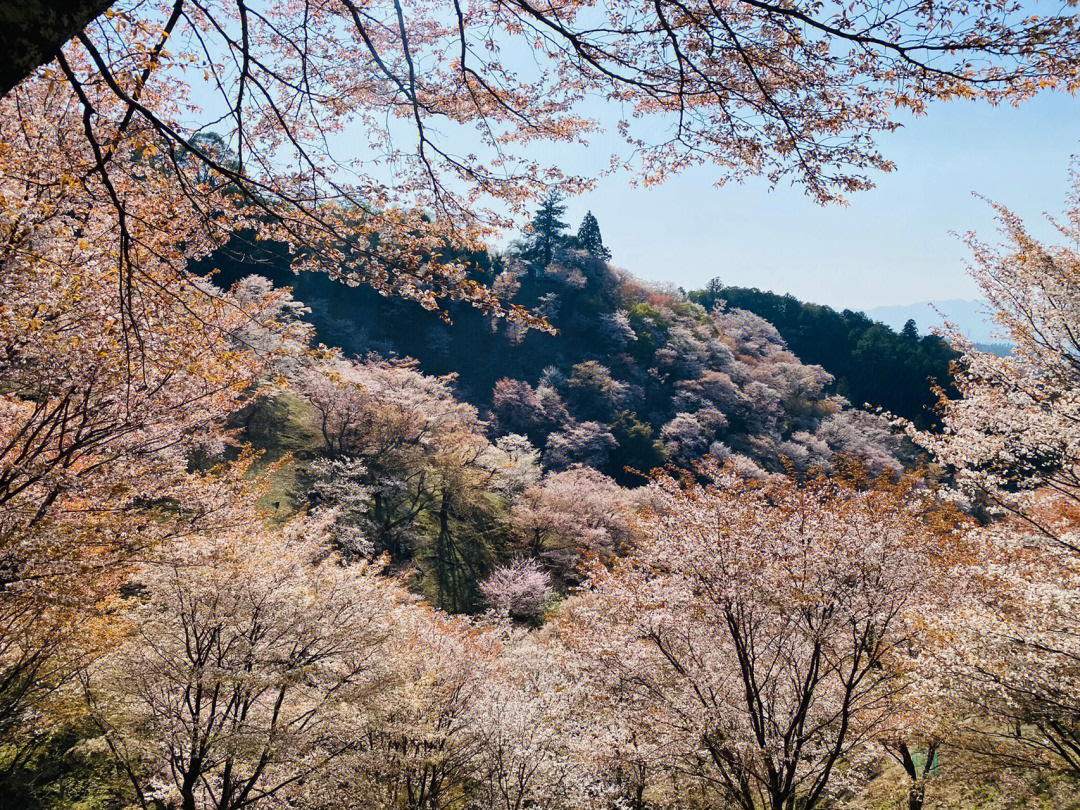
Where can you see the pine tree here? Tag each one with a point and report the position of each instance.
(588, 237)
(546, 231)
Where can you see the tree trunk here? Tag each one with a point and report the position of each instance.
(917, 785)
(32, 31)
(187, 790)
(916, 795)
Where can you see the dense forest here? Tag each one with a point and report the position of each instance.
(637, 376)
(312, 500)
(457, 448)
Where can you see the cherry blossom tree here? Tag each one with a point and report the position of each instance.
(461, 479)
(372, 408)
(412, 473)
(411, 440)
(594, 391)
(521, 589)
(249, 658)
(687, 437)
(514, 464)
(419, 751)
(739, 84)
(531, 714)
(102, 412)
(1011, 439)
(865, 436)
(616, 332)
(277, 332)
(588, 443)
(572, 517)
(764, 631)
(517, 407)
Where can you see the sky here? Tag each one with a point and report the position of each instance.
(895, 244)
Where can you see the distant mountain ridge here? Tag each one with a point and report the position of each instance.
(972, 318)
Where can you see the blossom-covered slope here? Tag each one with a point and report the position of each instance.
(636, 376)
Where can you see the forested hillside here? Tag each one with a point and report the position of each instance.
(870, 363)
(506, 455)
(638, 376)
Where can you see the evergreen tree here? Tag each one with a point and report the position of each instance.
(546, 231)
(637, 449)
(588, 237)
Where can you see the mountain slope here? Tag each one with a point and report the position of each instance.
(637, 377)
(869, 361)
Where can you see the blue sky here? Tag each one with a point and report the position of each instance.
(891, 245)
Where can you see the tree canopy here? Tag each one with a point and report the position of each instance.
(589, 238)
(255, 557)
(753, 88)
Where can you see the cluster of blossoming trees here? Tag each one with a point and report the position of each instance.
(636, 376)
(658, 379)
(724, 639)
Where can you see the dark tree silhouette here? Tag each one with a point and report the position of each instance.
(31, 33)
(588, 237)
(545, 232)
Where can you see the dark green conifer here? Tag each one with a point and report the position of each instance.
(588, 237)
(546, 231)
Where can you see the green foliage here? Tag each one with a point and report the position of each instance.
(651, 329)
(451, 541)
(637, 450)
(546, 232)
(281, 426)
(593, 391)
(456, 553)
(910, 331)
(63, 769)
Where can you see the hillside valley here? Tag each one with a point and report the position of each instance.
(341, 470)
(640, 376)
